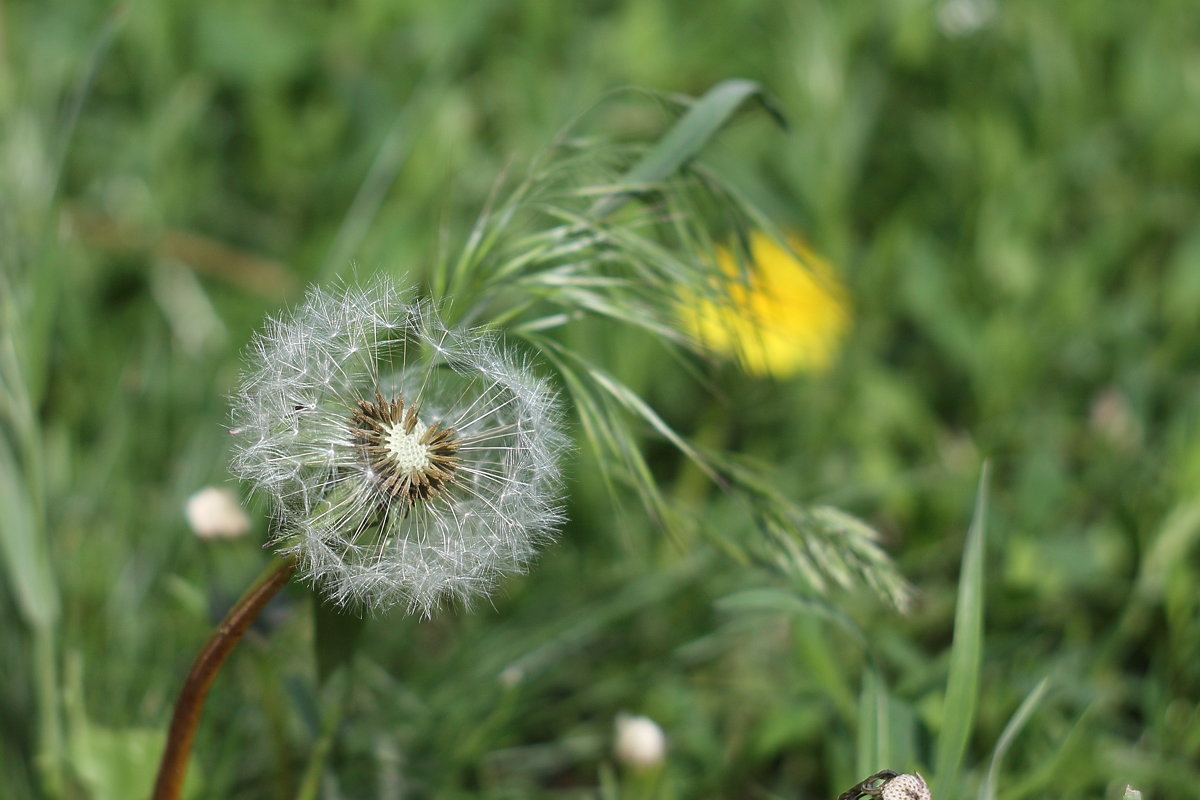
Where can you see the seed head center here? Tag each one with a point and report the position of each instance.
(406, 449)
(407, 459)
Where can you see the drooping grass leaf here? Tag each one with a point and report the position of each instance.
(689, 136)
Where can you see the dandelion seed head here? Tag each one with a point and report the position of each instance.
(408, 463)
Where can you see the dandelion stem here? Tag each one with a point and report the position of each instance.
(190, 703)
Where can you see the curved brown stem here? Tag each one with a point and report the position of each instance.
(190, 703)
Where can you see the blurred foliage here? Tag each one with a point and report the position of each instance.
(1009, 192)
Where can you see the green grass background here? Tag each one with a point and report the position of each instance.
(1010, 190)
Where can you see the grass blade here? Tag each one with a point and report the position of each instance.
(1011, 730)
(873, 725)
(966, 655)
(23, 550)
(688, 137)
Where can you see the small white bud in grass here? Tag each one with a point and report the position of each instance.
(905, 787)
(214, 513)
(511, 676)
(964, 17)
(1113, 419)
(639, 742)
(408, 463)
(1132, 793)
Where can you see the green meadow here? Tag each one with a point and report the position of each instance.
(1009, 193)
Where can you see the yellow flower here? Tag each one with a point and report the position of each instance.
(784, 313)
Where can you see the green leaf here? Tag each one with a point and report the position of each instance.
(22, 547)
(111, 763)
(886, 728)
(873, 725)
(1072, 752)
(966, 655)
(1011, 730)
(687, 138)
(336, 639)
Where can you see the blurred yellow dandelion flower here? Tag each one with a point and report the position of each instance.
(784, 313)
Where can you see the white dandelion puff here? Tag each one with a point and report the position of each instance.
(408, 463)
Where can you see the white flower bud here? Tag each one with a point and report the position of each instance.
(639, 742)
(215, 513)
(511, 676)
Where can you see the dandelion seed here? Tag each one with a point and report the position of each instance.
(787, 315)
(408, 463)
